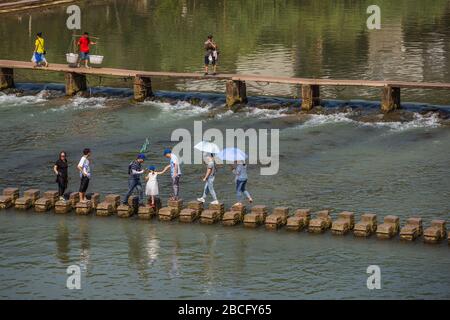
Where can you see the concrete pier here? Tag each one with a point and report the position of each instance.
(321, 223)
(299, 220)
(172, 211)
(256, 217)
(390, 99)
(277, 219)
(63, 206)
(6, 78)
(146, 212)
(8, 198)
(142, 87)
(344, 223)
(235, 215)
(28, 200)
(367, 225)
(436, 232)
(130, 209)
(75, 82)
(236, 92)
(310, 96)
(389, 228)
(192, 212)
(412, 229)
(213, 214)
(47, 202)
(108, 207)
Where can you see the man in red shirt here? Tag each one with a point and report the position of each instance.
(84, 43)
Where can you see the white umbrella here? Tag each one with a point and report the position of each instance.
(207, 147)
(232, 154)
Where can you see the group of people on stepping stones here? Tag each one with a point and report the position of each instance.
(135, 171)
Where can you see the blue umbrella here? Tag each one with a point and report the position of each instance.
(232, 154)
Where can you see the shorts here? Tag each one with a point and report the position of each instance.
(84, 184)
(84, 56)
(213, 62)
(39, 57)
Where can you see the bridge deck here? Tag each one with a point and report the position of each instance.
(123, 73)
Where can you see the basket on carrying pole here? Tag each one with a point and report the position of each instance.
(72, 58)
(96, 58)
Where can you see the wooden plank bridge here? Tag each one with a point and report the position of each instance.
(75, 81)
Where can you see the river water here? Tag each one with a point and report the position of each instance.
(345, 157)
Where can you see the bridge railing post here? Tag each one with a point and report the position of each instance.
(310, 96)
(6, 78)
(75, 82)
(142, 88)
(390, 99)
(236, 92)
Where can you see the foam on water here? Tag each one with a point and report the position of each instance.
(12, 100)
(81, 103)
(181, 107)
(418, 122)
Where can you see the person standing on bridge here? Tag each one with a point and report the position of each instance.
(211, 54)
(39, 51)
(83, 44)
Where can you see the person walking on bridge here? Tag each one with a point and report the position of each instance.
(39, 51)
(84, 43)
(211, 54)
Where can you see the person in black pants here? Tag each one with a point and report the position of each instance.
(60, 169)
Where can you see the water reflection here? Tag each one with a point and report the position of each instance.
(85, 245)
(62, 242)
(209, 282)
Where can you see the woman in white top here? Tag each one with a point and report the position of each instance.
(151, 188)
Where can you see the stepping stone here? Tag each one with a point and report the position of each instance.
(344, 223)
(389, 228)
(412, 229)
(436, 232)
(366, 226)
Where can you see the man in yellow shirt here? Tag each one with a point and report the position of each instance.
(39, 51)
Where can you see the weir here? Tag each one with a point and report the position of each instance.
(279, 218)
(235, 89)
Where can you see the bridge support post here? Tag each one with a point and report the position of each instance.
(75, 83)
(310, 96)
(6, 78)
(142, 87)
(390, 99)
(236, 92)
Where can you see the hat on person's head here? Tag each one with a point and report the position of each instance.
(141, 156)
(167, 151)
(151, 168)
